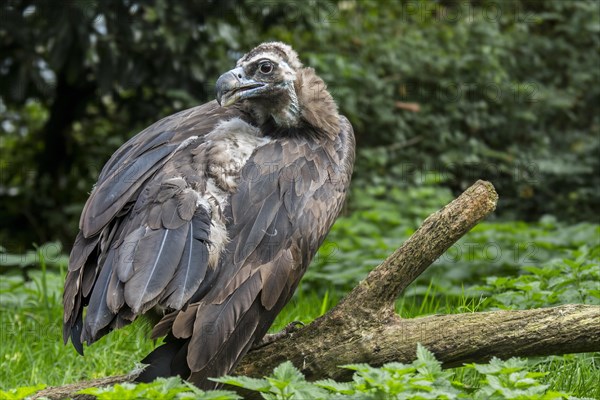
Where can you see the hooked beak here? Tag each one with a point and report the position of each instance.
(233, 86)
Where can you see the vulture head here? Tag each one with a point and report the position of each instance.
(271, 84)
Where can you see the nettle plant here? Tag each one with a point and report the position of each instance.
(424, 378)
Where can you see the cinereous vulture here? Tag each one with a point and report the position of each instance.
(211, 216)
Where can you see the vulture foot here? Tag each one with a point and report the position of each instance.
(289, 329)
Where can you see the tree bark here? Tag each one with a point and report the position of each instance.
(454, 339)
(363, 327)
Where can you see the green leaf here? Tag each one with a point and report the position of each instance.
(20, 393)
(259, 385)
(336, 387)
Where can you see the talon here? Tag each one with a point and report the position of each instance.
(293, 326)
(290, 328)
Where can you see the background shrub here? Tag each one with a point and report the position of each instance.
(505, 91)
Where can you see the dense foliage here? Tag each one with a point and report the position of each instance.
(437, 90)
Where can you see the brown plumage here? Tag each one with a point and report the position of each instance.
(211, 216)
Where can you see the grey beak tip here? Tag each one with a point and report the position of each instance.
(223, 84)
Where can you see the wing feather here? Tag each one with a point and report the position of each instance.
(111, 195)
(183, 323)
(170, 215)
(71, 293)
(232, 349)
(82, 248)
(75, 331)
(254, 232)
(88, 277)
(115, 296)
(274, 277)
(156, 259)
(163, 327)
(99, 314)
(215, 323)
(134, 147)
(191, 269)
(126, 253)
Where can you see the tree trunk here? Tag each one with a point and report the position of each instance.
(363, 327)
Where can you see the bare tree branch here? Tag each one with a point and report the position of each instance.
(438, 232)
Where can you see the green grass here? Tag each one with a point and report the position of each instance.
(32, 351)
(31, 334)
(32, 345)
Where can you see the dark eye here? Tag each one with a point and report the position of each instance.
(265, 67)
